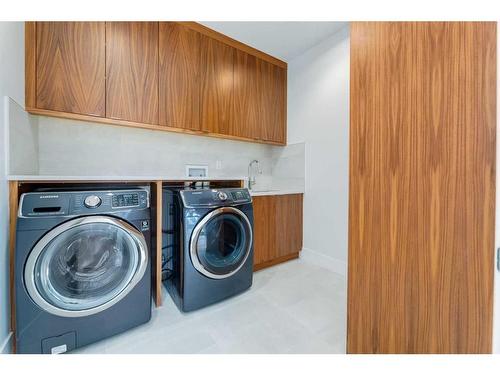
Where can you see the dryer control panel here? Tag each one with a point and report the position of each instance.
(64, 203)
(215, 197)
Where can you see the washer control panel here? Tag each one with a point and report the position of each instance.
(215, 197)
(125, 200)
(63, 203)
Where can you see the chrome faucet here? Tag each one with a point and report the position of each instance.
(251, 177)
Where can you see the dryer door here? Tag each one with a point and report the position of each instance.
(221, 243)
(85, 265)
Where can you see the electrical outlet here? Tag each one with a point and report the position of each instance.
(218, 164)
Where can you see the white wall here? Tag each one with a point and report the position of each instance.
(318, 114)
(11, 84)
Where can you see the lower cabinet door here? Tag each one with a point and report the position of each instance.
(277, 229)
(288, 219)
(264, 238)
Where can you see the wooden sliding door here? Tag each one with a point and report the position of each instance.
(422, 187)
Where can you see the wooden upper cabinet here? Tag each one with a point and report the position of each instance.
(132, 71)
(259, 104)
(245, 113)
(70, 67)
(216, 85)
(272, 105)
(179, 76)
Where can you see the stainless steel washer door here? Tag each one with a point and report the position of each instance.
(85, 265)
(221, 243)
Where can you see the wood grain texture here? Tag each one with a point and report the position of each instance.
(132, 71)
(277, 228)
(70, 67)
(13, 208)
(179, 76)
(288, 224)
(234, 43)
(259, 104)
(264, 240)
(30, 63)
(104, 120)
(156, 241)
(134, 74)
(216, 85)
(422, 187)
(245, 112)
(272, 106)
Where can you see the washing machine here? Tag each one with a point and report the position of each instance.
(207, 252)
(82, 267)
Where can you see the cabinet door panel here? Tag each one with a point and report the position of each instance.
(179, 76)
(422, 187)
(217, 85)
(272, 105)
(245, 114)
(277, 227)
(264, 234)
(70, 67)
(288, 219)
(132, 71)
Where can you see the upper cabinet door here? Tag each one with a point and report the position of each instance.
(132, 71)
(272, 106)
(70, 67)
(179, 86)
(245, 114)
(216, 85)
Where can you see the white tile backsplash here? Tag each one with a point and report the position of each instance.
(77, 148)
(23, 139)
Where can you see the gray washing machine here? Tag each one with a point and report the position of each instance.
(82, 267)
(207, 253)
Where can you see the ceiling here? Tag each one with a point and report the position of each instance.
(284, 40)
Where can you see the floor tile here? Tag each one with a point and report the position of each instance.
(294, 307)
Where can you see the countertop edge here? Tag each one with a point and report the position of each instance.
(48, 178)
(276, 192)
(119, 178)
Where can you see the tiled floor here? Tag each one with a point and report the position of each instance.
(295, 307)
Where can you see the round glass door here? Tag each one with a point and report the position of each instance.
(85, 265)
(221, 243)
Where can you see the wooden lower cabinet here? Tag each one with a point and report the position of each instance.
(277, 229)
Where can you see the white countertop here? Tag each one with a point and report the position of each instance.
(258, 193)
(120, 178)
(254, 193)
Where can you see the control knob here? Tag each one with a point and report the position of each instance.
(222, 196)
(92, 201)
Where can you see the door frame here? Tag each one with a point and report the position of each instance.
(496, 272)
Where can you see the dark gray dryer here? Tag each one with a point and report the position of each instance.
(82, 267)
(207, 244)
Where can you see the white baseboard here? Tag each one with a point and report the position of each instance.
(333, 264)
(6, 346)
